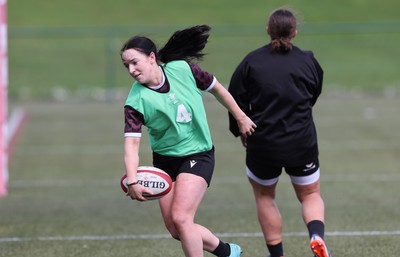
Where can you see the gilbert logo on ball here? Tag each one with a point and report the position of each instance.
(157, 180)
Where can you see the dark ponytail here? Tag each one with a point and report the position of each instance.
(185, 44)
(281, 28)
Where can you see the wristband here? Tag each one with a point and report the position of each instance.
(133, 183)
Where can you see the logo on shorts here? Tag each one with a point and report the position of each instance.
(309, 167)
(192, 163)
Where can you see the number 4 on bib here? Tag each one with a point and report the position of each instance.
(183, 115)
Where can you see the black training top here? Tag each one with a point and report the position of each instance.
(277, 91)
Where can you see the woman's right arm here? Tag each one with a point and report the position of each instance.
(131, 159)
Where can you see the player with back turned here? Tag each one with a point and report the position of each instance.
(277, 86)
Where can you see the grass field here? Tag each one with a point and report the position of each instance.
(65, 199)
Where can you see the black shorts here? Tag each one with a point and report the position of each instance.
(261, 170)
(201, 164)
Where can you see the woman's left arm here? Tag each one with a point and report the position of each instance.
(246, 125)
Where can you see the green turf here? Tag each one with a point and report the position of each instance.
(64, 185)
(64, 198)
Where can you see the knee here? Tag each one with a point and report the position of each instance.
(176, 224)
(311, 197)
(180, 220)
(172, 231)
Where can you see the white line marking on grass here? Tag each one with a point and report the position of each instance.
(161, 236)
(45, 183)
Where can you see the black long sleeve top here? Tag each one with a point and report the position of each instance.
(278, 91)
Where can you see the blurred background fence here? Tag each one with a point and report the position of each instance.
(66, 63)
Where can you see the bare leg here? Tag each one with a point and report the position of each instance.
(312, 205)
(268, 213)
(179, 209)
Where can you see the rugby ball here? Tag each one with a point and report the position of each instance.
(157, 180)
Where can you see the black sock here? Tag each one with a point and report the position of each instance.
(276, 250)
(222, 250)
(316, 227)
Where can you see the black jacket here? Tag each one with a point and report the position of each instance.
(278, 91)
